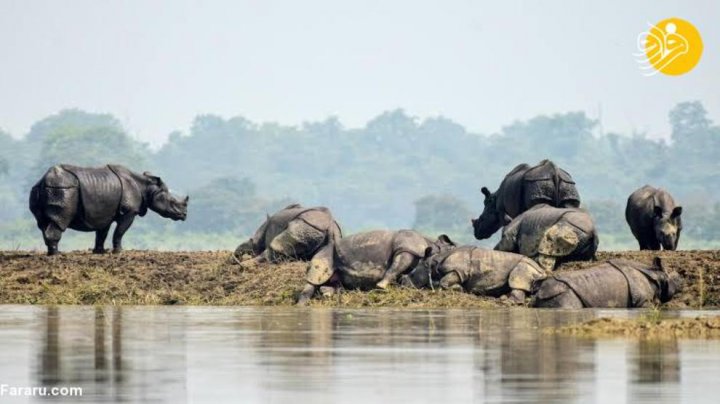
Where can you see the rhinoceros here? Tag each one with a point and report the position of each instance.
(91, 199)
(551, 235)
(369, 260)
(294, 232)
(654, 218)
(521, 189)
(612, 284)
(478, 271)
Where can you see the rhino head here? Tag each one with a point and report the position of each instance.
(670, 282)
(426, 272)
(491, 219)
(162, 202)
(255, 245)
(667, 227)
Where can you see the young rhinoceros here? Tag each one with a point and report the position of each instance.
(551, 235)
(612, 284)
(91, 199)
(294, 232)
(654, 218)
(521, 189)
(369, 260)
(478, 271)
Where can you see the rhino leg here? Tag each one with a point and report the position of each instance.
(546, 261)
(329, 290)
(123, 224)
(306, 294)
(517, 296)
(320, 272)
(100, 237)
(297, 241)
(451, 281)
(560, 240)
(401, 264)
(52, 235)
(252, 262)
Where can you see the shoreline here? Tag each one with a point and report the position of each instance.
(205, 278)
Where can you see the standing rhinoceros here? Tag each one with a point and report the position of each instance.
(293, 232)
(612, 284)
(654, 218)
(551, 235)
(479, 271)
(521, 189)
(91, 199)
(369, 260)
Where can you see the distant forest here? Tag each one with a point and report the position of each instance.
(396, 172)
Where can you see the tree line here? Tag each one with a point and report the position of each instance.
(397, 171)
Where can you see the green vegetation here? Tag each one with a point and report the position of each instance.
(396, 172)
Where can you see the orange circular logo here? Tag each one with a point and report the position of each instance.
(673, 47)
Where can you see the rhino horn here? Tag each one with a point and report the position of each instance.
(485, 191)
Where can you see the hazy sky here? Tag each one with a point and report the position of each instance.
(157, 64)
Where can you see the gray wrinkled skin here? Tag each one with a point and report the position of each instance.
(654, 218)
(478, 271)
(91, 199)
(368, 260)
(612, 284)
(521, 189)
(551, 235)
(292, 233)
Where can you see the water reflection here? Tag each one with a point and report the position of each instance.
(257, 355)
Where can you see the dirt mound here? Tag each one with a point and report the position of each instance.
(699, 269)
(208, 278)
(644, 327)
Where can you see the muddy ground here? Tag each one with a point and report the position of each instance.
(208, 278)
(645, 327)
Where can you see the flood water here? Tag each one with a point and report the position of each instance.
(218, 354)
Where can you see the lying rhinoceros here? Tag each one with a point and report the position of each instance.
(370, 260)
(294, 232)
(654, 218)
(521, 189)
(91, 199)
(551, 235)
(479, 271)
(615, 283)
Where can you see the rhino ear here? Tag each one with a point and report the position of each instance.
(153, 178)
(506, 220)
(485, 192)
(676, 212)
(658, 211)
(657, 264)
(443, 238)
(428, 252)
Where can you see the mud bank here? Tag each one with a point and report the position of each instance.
(646, 327)
(207, 278)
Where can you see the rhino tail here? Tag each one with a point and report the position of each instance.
(34, 202)
(556, 181)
